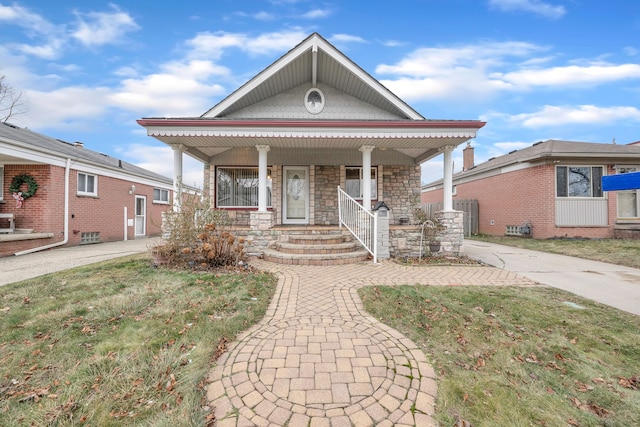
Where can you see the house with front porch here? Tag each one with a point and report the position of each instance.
(279, 150)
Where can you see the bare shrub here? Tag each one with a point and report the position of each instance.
(198, 236)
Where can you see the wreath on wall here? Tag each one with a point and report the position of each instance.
(16, 184)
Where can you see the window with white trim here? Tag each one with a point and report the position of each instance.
(160, 195)
(353, 182)
(238, 187)
(1, 182)
(87, 184)
(579, 181)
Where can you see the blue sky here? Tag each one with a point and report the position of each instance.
(533, 69)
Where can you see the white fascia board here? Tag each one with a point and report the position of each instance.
(370, 81)
(309, 132)
(517, 167)
(101, 171)
(37, 156)
(260, 78)
(31, 155)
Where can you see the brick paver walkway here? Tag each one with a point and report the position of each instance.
(318, 359)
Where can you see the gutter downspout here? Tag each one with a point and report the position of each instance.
(66, 216)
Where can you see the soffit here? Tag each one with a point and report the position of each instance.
(313, 58)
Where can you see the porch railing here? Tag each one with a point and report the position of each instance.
(359, 221)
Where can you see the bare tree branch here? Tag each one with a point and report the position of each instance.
(11, 102)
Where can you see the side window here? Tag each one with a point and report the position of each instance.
(87, 184)
(579, 181)
(160, 195)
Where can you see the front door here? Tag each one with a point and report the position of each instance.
(296, 195)
(141, 216)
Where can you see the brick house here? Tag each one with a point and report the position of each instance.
(552, 189)
(82, 196)
(276, 150)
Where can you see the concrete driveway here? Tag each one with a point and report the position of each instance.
(608, 284)
(23, 267)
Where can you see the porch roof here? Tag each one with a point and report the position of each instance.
(203, 137)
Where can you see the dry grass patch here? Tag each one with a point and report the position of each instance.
(519, 356)
(119, 343)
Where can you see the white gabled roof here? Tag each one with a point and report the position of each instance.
(314, 60)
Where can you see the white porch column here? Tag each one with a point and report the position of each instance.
(177, 176)
(262, 177)
(366, 175)
(448, 178)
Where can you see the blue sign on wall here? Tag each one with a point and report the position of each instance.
(623, 181)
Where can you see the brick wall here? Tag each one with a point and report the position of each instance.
(44, 212)
(36, 212)
(105, 213)
(526, 195)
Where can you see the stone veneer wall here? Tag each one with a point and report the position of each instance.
(405, 240)
(327, 179)
(401, 191)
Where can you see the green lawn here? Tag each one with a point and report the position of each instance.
(119, 343)
(519, 356)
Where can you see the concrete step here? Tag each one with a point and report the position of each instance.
(352, 257)
(317, 247)
(317, 239)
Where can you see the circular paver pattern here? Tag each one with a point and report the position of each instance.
(303, 369)
(318, 359)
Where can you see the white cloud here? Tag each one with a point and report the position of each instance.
(453, 73)
(316, 14)
(212, 45)
(51, 50)
(346, 38)
(551, 115)
(100, 28)
(159, 159)
(478, 71)
(35, 25)
(21, 16)
(182, 89)
(505, 147)
(264, 16)
(534, 6)
(275, 42)
(58, 109)
(570, 75)
(393, 43)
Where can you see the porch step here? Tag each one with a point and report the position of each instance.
(317, 249)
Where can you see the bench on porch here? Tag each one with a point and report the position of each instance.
(11, 218)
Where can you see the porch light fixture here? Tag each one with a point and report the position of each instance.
(132, 189)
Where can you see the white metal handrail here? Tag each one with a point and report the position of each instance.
(359, 221)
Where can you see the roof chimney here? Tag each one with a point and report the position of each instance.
(467, 157)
